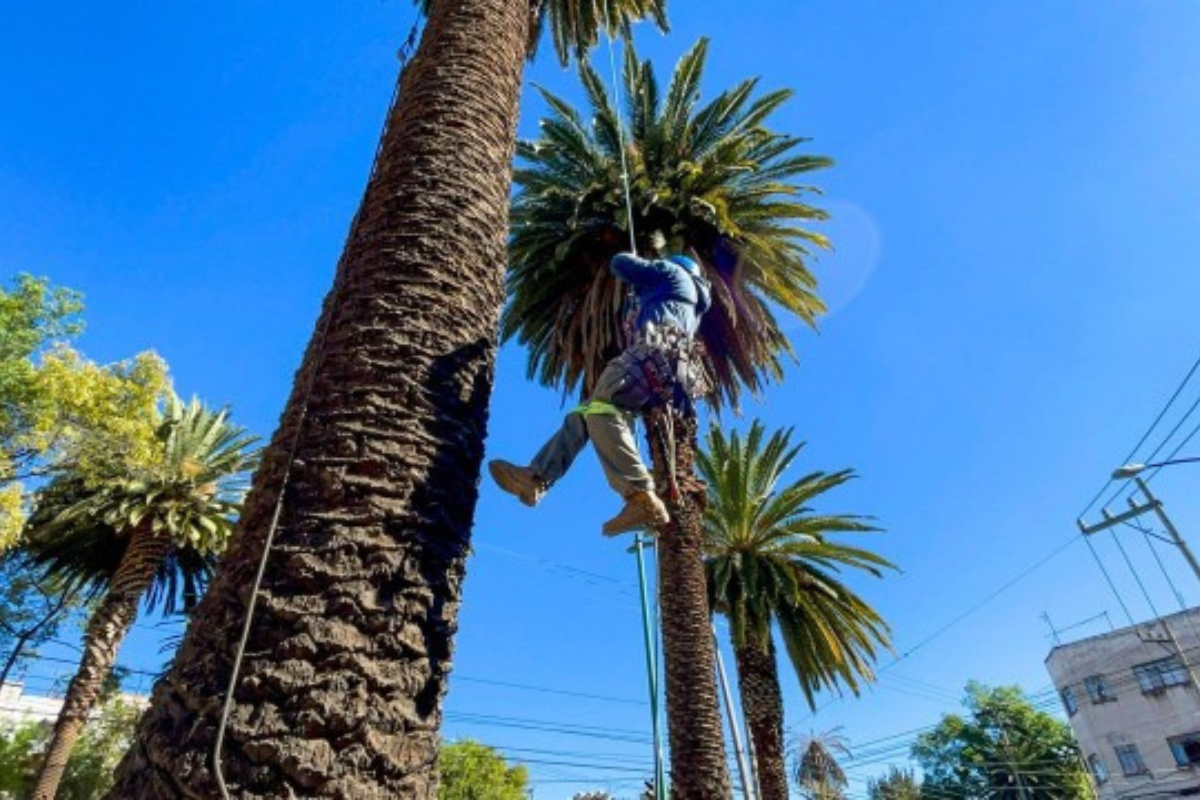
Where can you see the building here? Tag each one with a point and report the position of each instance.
(17, 707)
(1133, 700)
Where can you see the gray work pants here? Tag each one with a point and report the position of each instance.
(608, 424)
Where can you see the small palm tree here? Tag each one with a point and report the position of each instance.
(150, 537)
(819, 776)
(710, 179)
(770, 560)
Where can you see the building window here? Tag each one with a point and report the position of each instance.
(1068, 700)
(1157, 675)
(1131, 759)
(1186, 749)
(1099, 771)
(1099, 690)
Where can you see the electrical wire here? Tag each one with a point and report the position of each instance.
(1170, 402)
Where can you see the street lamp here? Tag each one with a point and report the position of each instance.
(1152, 504)
(1130, 470)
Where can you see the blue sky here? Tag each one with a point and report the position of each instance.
(1013, 300)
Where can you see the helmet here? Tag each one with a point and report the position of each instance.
(687, 263)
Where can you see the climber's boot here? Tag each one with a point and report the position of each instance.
(522, 482)
(642, 510)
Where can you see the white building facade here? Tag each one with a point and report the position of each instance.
(1133, 700)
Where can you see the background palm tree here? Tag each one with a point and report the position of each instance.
(819, 776)
(381, 442)
(770, 561)
(150, 537)
(709, 179)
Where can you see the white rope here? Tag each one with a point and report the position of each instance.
(302, 416)
(616, 81)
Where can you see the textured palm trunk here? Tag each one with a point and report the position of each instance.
(105, 630)
(699, 770)
(762, 703)
(340, 692)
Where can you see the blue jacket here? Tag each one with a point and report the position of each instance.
(667, 293)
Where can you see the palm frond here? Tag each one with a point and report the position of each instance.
(770, 557)
(708, 178)
(79, 529)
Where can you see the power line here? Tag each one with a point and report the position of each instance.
(1170, 402)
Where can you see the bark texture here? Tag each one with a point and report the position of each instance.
(762, 703)
(105, 631)
(699, 769)
(341, 687)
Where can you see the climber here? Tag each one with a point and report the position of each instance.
(671, 295)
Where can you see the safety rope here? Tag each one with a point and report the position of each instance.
(404, 54)
(651, 627)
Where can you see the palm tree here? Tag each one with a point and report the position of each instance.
(150, 537)
(819, 776)
(375, 464)
(709, 179)
(770, 561)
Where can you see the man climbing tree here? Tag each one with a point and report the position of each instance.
(670, 296)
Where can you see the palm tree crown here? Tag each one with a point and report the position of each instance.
(818, 773)
(710, 179)
(575, 25)
(769, 558)
(192, 493)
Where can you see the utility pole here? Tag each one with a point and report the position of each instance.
(743, 768)
(1157, 505)
(1152, 504)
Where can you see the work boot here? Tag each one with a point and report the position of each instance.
(519, 481)
(642, 510)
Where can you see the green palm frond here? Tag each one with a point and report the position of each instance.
(80, 527)
(769, 558)
(706, 177)
(576, 25)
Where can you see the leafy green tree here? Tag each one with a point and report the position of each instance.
(89, 773)
(474, 771)
(57, 409)
(148, 535)
(772, 564)
(819, 775)
(1002, 748)
(897, 784)
(31, 611)
(382, 440)
(706, 178)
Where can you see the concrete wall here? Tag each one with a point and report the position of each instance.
(1130, 715)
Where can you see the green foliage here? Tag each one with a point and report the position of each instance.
(57, 409)
(576, 25)
(897, 784)
(31, 612)
(191, 491)
(108, 734)
(819, 775)
(710, 179)
(769, 556)
(474, 771)
(1003, 748)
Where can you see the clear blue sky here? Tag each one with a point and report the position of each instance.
(1013, 300)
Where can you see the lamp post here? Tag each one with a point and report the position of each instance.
(1154, 504)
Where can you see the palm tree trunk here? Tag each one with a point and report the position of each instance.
(762, 703)
(340, 692)
(699, 770)
(103, 636)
